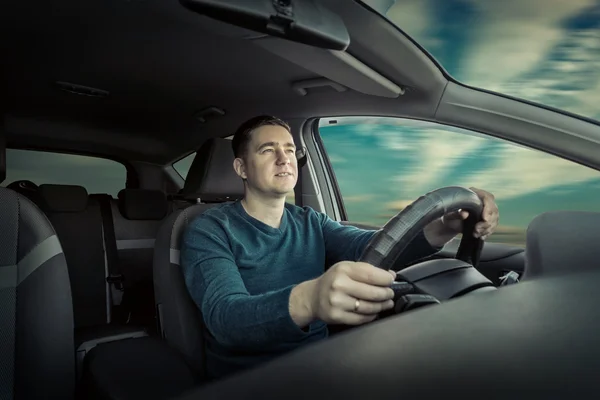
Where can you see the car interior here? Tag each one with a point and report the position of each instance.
(94, 305)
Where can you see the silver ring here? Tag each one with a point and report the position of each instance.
(356, 305)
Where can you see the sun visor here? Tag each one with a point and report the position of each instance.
(338, 66)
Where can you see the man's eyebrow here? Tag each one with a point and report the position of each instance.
(273, 144)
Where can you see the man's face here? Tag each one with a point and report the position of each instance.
(270, 166)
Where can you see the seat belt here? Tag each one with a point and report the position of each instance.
(301, 156)
(114, 272)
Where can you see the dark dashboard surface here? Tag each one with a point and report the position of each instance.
(536, 339)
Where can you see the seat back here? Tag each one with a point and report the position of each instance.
(137, 215)
(561, 242)
(180, 320)
(78, 222)
(37, 356)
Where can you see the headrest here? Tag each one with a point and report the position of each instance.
(2, 157)
(560, 242)
(211, 174)
(143, 204)
(63, 198)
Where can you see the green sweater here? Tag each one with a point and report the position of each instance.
(240, 272)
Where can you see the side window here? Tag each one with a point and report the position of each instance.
(97, 175)
(384, 164)
(183, 166)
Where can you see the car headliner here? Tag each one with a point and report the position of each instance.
(162, 63)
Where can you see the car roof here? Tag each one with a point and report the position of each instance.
(156, 65)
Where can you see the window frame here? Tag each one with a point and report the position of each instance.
(336, 196)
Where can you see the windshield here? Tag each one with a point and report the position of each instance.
(545, 51)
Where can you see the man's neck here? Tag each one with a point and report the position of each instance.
(266, 210)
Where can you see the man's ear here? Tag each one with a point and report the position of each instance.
(240, 168)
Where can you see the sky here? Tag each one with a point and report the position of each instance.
(545, 51)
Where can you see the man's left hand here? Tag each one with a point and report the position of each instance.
(441, 231)
(489, 217)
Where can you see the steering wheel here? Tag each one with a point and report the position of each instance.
(435, 280)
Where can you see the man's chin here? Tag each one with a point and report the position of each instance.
(282, 192)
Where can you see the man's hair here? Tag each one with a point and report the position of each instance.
(242, 135)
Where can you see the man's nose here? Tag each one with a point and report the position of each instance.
(282, 157)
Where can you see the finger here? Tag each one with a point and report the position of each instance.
(489, 213)
(483, 194)
(350, 318)
(456, 215)
(365, 307)
(364, 291)
(370, 308)
(485, 234)
(367, 273)
(482, 228)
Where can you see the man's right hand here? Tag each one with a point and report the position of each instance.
(334, 296)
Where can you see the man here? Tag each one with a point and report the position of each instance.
(255, 267)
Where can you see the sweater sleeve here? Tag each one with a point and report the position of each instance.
(347, 243)
(235, 318)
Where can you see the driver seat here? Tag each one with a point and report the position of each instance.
(37, 350)
(211, 180)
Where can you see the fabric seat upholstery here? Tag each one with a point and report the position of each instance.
(137, 215)
(78, 224)
(561, 242)
(211, 177)
(37, 357)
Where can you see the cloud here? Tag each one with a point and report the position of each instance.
(416, 20)
(361, 198)
(336, 159)
(519, 171)
(398, 205)
(439, 152)
(514, 36)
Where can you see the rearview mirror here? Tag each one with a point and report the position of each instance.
(304, 21)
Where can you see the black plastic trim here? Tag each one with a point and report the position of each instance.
(329, 170)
